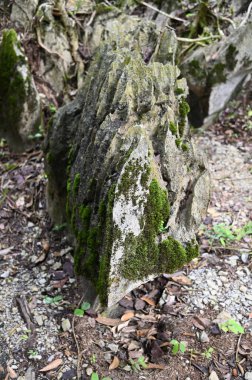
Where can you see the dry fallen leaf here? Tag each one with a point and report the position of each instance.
(45, 245)
(115, 363)
(201, 323)
(107, 321)
(155, 366)
(12, 373)
(128, 315)
(182, 280)
(148, 300)
(54, 364)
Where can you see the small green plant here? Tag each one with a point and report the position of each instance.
(84, 307)
(52, 300)
(231, 326)
(161, 228)
(59, 227)
(4, 195)
(208, 353)
(52, 108)
(225, 233)
(32, 353)
(93, 359)
(10, 166)
(177, 346)
(95, 376)
(136, 365)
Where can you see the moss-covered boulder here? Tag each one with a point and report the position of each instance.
(215, 74)
(122, 168)
(19, 101)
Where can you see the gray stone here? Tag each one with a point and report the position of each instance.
(213, 376)
(203, 337)
(248, 376)
(117, 153)
(22, 13)
(216, 73)
(65, 324)
(54, 66)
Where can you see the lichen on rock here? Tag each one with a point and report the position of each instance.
(133, 197)
(19, 101)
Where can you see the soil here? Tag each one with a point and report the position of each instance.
(36, 265)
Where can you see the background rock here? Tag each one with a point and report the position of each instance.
(215, 74)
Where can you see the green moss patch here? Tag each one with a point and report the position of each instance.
(142, 251)
(13, 86)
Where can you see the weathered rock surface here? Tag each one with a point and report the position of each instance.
(57, 63)
(23, 12)
(121, 163)
(19, 101)
(215, 74)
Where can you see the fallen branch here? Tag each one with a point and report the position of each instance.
(26, 315)
(247, 16)
(237, 349)
(183, 39)
(161, 12)
(79, 353)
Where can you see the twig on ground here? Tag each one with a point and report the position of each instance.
(237, 349)
(26, 315)
(161, 12)
(79, 353)
(247, 16)
(183, 39)
(228, 20)
(91, 18)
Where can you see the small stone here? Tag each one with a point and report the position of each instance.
(39, 320)
(127, 303)
(243, 289)
(248, 376)
(89, 371)
(5, 274)
(248, 297)
(65, 324)
(113, 347)
(213, 376)
(245, 258)
(203, 337)
(140, 304)
(215, 330)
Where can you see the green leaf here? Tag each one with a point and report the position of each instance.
(48, 300)
(182, 347)
(232, 326)
(106, 378)
(142, 363)
(79, 312)
(94, 375)
(57, 299)
(51, 300)
(175, 347)
(85, 306)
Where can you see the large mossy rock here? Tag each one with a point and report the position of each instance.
(122, 168)
(20, 114)
(215, 74)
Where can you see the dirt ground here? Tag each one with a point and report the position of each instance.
(36, 265)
